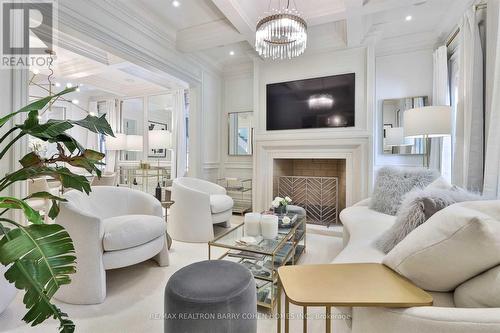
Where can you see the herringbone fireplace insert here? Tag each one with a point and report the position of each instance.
(318, 185)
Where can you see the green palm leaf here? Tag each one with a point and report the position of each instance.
(36, 105)
(42, 259)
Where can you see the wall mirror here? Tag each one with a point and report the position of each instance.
(160, 119)
(240, 133)
(394, 141)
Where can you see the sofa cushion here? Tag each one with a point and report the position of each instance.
(454, 245)
(126, 231)
(220, 203)
(481, 291)
(362, 225)
(393, 183)
(417, 207)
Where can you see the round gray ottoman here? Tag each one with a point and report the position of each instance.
(213, 296)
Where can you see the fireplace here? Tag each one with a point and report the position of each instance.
(350, 155)
(318, 185)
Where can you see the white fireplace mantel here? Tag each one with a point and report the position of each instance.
(354, 150)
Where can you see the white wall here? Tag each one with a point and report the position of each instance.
(311, 66)
(352, 143)
(210, 133)
(400, 75)
(237, 95)
(136, 39)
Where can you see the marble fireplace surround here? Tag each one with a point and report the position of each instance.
(354, 150)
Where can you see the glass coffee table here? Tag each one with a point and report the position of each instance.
(264, 258)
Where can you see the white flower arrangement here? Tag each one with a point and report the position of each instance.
(286, 220)
(279, 201)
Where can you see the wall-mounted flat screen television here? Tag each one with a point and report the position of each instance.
(312, 103)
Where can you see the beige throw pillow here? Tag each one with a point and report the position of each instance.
(482, 291)
(454, 245)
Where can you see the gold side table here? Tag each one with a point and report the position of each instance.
(349, 285)
(167, 204)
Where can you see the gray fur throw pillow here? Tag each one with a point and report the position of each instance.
(417, 207)
(393, 183)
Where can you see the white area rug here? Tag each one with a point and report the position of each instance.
(135, 295)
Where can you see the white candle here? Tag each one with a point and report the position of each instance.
(252, 224)
(269, 226)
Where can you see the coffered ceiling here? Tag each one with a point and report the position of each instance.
(222, 32)
(105, 73)
(212, 29)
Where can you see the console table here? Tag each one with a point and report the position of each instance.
(238, 188)
(365, 285)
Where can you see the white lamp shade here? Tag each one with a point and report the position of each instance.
(396, 137)
(433, 121)
(119, 142)
(160, 139)
(134, 143)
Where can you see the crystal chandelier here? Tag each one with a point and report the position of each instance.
(282, 34)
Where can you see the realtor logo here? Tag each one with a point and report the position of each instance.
(27, 33)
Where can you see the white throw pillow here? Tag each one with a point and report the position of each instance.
(454, 245)
(482, 291)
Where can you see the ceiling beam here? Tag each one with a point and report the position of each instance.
(354, 17)
(236, 15)
(207, 36)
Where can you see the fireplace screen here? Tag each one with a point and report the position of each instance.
(317, 195)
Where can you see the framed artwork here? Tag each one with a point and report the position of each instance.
(157, 153)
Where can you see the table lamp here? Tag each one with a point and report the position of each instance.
(115, 144)
(427, 122)
(160, 139)
(119, 142)
(134, 143)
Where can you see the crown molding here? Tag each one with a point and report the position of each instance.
(406, 43)
(104, 21)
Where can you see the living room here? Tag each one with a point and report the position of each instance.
(250, 166)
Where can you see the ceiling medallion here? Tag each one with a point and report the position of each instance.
(282, 34)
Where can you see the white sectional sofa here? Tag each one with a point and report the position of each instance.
(361, 227)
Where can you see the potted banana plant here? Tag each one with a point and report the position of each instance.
(36, 257)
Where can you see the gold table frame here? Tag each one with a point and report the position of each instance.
(286, 235)
(344, 285)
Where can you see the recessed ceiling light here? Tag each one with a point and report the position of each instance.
(69, 85)
(231, 52)
(408, 18)
(75, 101)
(35, 71)
(176, 3)
(58, 84)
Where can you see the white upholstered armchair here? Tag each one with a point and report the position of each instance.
(199, 205)
(112, 227)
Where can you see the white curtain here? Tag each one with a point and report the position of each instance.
(440, 96)
(111, 109)
(492, 163)
(468, 154)
(179, 165)
(92, 138)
